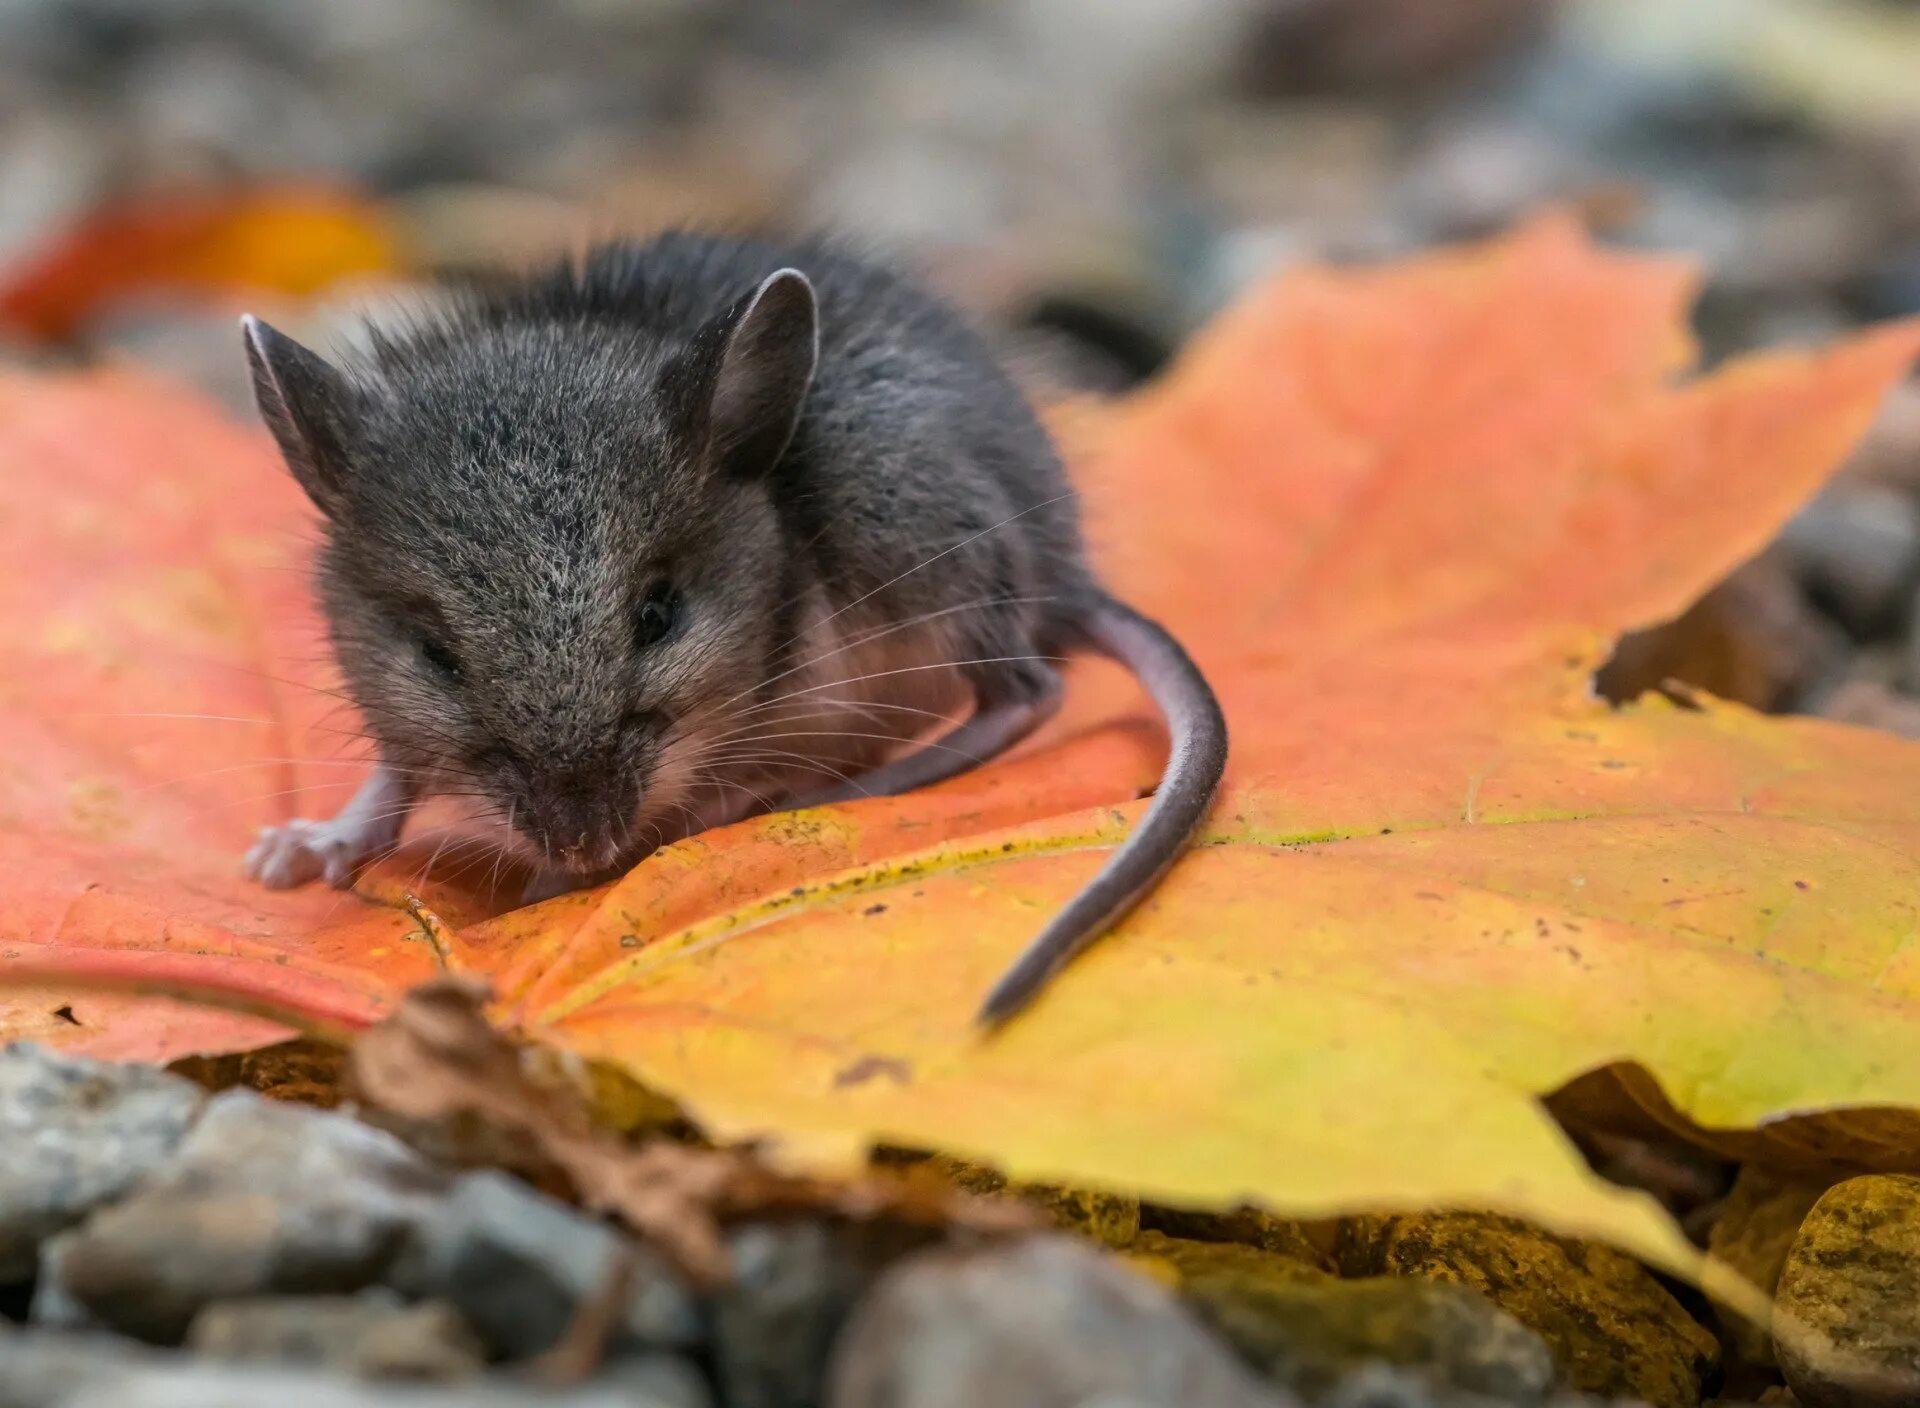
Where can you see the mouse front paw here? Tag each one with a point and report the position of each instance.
(292, 854)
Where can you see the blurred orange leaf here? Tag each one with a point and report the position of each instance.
(291, 240)
(1399, 515)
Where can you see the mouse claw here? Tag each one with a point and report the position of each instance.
(297, 852)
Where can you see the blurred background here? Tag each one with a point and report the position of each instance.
(1091, 178)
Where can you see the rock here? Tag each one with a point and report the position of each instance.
(1385, 1386)
(793, 1286)
(1856, 549)
(1389, 45)
(665, 1380)
(163, 332)
(44, 1368)
(259, 1198)
(1041, 1323)
(55, 1369)
(51, 1307)
(1246, 1226)
(1871, 704)
(1112, 1219)
(518, 1264)
(1334, 172)
(1846, 1323)
(1890, 453)
(1890, 288)
(1188, 1260)
(1756, 1226)
(78, 1134)
(373, 1335)
(1613, 1329)
(191, 108)
(1308, 1331)
(52, 166)
(1473, 178)
(190, 1385)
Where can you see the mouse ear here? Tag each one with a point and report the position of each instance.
(306, 403)
(771, 342)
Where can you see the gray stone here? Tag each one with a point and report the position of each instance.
(52, 166)
(663, 1379)
(793, 1286)
(259, 1198)
(191, 1385)
(78, 1134)
(1890, 453)
(1870, 704)
(1042, 1323)
(373, 1335)
(1846, 1317)
(190, 106)
(1856, 548)
(44, 1368)
(52, 1307)
(1112, 1219)
(1246, 1226)
(518, 1264)
(1476, 176)
(1385, 1386)
(1308, 1331)
(54, 1369)
(1614, 1330)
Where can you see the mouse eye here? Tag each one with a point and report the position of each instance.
(657, 613)
(444, 662)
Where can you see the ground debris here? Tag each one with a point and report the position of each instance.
(437, 1055)
(78, 1135)
(1846, 1325)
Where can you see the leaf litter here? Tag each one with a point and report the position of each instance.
(1443, 879)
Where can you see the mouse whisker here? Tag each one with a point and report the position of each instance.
(493, 874)
(811, 712)
(929, 561)
(891, 628)
(161, 714)
(847, 733)
(921, 669)
(409, 718)
(252, 763)
(786, 757)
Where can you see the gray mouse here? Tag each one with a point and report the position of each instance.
(689, 530)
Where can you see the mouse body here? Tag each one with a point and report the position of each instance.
(688, 530)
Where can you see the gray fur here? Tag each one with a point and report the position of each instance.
(862, 522)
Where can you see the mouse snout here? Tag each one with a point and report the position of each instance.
(582, 817)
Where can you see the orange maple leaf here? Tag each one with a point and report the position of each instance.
(1399, 515)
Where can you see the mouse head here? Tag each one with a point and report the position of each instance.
(551, 543)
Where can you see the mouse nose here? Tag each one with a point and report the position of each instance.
(584, 817)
